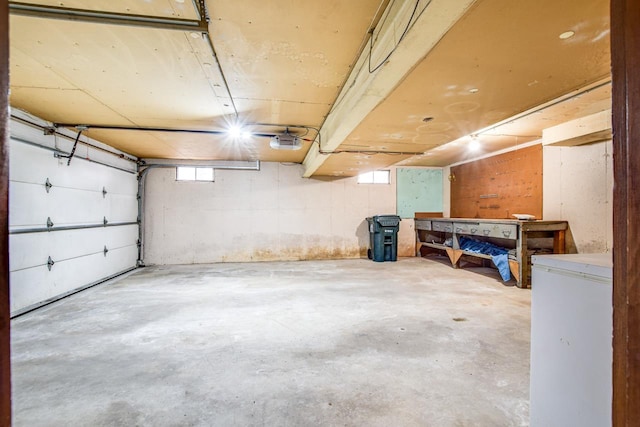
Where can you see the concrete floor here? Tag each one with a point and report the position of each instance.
(351, 342)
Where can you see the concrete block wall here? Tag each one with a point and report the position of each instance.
(271, 214)
(578, 187)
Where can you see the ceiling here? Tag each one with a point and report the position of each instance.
(386, 82)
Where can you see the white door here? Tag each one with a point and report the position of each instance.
(70, 225)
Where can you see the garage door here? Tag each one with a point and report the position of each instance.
(71, 224)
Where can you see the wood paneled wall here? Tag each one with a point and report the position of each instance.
(499, 186)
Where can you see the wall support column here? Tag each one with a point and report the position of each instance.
(5, 355)
(625, 58)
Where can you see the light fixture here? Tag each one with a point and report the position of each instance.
(474, 144)
(234, 131)
(567, 35)
(474, 90)
(237, 131)
(285, 141)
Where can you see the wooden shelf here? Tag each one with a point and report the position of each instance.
(476, 254)
(435, 245)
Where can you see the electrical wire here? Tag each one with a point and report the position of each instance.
(370, 37)
(318, 140)
(404, 33)
(420, 14)
(355, 60)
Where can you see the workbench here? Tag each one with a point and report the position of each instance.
(521, 238)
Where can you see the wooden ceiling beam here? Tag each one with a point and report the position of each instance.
(393, 60)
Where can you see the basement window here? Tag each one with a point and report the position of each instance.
(188, 173)
(375, 177)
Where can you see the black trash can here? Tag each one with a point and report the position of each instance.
(383, 237)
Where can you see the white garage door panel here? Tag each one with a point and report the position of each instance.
(75, 199)
(29, 133)
(35, 285)
(27, 205)
(33, 134)
(33, 249)
(117, 237)
(120, 183)
(31, 164)
(30, 206)
(122, 208)
(29, 287)
(91, 176)
(70, 206)
(121, 259)
(36, 165)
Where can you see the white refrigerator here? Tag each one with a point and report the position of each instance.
(571, 340)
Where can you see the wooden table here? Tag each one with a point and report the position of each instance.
(521, 238)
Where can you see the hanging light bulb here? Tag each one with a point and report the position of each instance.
(237, 131)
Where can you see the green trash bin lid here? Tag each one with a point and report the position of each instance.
(387, 220)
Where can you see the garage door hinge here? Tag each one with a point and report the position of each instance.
(104, 192)
(105, 250)
(49, 222)
(138, 243)
(104, 221)
(48, 185)
(50, 263)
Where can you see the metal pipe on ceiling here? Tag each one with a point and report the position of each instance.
(159, 129)
(104, 17)
(200, 25)
(317, 138)
(207, 36)
(215, 164)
